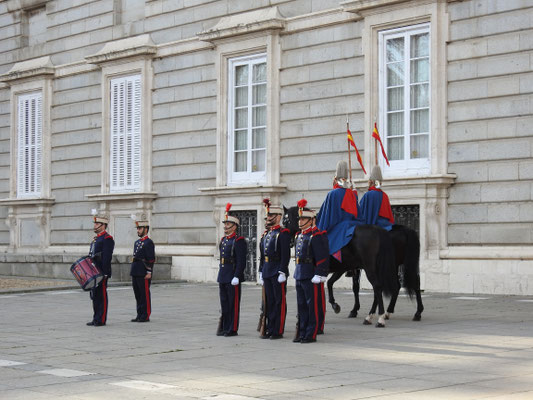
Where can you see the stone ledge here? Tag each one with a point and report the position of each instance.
(245, 23)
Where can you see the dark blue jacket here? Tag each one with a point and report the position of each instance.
(143, 257)
(275, 252)
(311, 254)
(233, 251)
(101, 252)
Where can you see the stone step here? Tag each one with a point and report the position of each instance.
(58, 266)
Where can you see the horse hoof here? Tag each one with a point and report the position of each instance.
(380, 325)
(353, 314)
(365, 322)
(336, 308)
(417, 317)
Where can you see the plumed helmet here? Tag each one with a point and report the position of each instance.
(228, 217)
(270, 208)
(375, 175)
(303, 211)
(99, 218)
(140, 222)
(342, 170)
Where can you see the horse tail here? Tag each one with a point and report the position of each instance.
(386, 263)
(411, 280)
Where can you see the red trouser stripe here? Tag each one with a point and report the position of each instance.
(104, 294)
(236, 309)
(315, 308)
(283, 309)
(147, 295)
(323, 296)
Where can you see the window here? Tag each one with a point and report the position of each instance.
(247, 119)
(125, 129)
(29, 144)
(405, 97)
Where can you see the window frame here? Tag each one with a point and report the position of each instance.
(406, 166)
(21, 149)
(248, 177)
(136, 154)
(111, 71)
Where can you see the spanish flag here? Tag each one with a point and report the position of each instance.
(375, 135)
(350, 140)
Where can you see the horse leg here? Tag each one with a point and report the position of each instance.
(419, 306)
(355, 288)
(381, 309)
(334, 278)
(370, 316)
(392, 303)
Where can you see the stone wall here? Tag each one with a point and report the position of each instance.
(490, 131)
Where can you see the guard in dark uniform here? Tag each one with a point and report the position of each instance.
(274, 270)
(101, 252)
(141, 270)
(233, 250)
(312, 265)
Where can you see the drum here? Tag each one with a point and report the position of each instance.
(86, 273)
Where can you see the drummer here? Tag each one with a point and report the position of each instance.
(141, 270)
(101, 253)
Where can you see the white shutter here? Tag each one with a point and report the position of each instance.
(29, 143)
(125, 151)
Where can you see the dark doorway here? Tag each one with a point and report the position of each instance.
(248, 229)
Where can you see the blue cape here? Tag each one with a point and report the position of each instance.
(338, 223)
(370, 206)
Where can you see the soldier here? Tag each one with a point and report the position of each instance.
(101, 252)
(142, 265)
(274, 270)
(339, 214)
(375, 205)
(312, 264)
(233, 251)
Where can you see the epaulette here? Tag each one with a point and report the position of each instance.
(222, 238)
(108, 237)
(285, 230)
(240, 238)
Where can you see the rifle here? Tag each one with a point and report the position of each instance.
(261, 326)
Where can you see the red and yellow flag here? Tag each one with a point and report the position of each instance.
(375, 135)
(350, 140)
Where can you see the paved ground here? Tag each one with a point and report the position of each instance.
(465, 347)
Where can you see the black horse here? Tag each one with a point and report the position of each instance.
(369, 249)
(407, 253)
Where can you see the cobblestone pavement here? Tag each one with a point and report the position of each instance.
(465, 347)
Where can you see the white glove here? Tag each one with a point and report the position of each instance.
(316, 279)
(235, 281)
(323, 279)
(282, 277)
(261, 282)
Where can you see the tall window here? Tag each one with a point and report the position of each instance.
(29, 144)
(247, 119)
(405, 97)
(125, 152)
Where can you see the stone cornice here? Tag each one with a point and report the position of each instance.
(249, 22)
(16, 202)
(137, 46)
(26, 5)
(30, 69)
(444, 180)
(135, 196)
(243, 190)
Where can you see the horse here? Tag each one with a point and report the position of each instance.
(407, 252)
(369, 249)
